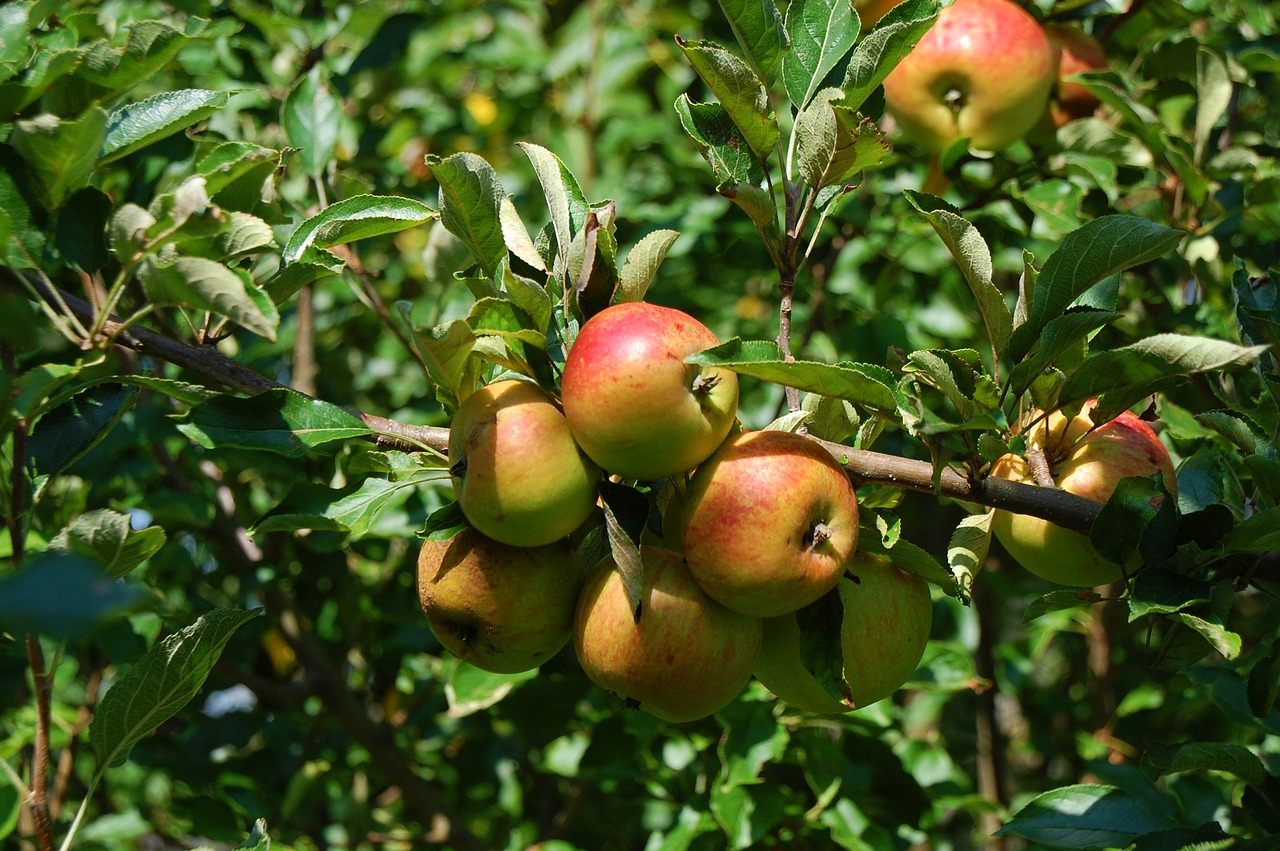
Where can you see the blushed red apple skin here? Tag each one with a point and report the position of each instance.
(1077, 52)
(750, 513)
(630, 399)
(883, 633)
(999, 61)
(1088, 462)
(501, 608)
(685, 659)
(517, 473)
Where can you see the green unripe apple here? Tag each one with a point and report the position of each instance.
(633, 404)
(518, 474)
(1087, 461)
(771, 522)
(684, 659)
(884, 627)
(983, 71)
(501, 608)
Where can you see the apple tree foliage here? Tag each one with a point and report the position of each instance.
(255, 253)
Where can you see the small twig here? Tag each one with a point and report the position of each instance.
(786, 290)
(39, 798)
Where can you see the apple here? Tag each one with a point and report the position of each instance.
(501, 608)
(1088, 461)
(871, 11)
(685, 658)
(1077, 51)
(884, 626)
(983, 71)
(771, 521)
(633, 404)
(518, 474)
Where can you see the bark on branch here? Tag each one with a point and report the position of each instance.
(864, 467)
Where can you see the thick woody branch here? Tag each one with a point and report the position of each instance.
(864, 467)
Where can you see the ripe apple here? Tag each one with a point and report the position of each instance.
(501, 608)
(887, 614)
(983, 71)
(518, 474)
(771, 521)
(1087, 461)
(633, 404)
(686, 658)
(1077, 51)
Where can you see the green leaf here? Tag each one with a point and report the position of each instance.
(1264, 684)
(1163, 356)
(1099, 249)
(565, 200)
(470, 690)
(516, 236)
(470, 205)
(829, 419)
(148, 47)
(1059, 335)
(641, 265)
(834, 143)
(62, 596)
(1207, 756)
(821, 651)
(720, 142)
(1260, 531)
(444, 523)
(360, 217)
(862, 384)
(1210, 627)
(312, 265)
(911, 558)
(1237, 428)
(884, 47)
(109, 539)
(496, 317)
(159, 684)
(957, 375)
(967, 550)
(277, 420)
(530, 296)
(1086, 816)
(310, 116)
(81, 233)
(203, 284)
(447, 350)
(243, 234)
(15, 26)
(60, 154)
(1213, 97)
(1138, 518)
(739, 90)
(69, 431)
(1060, 600)
(1159, 591)
(758, 26)
(974, 259)
(821, 34)
(352, 510)
(137, 125)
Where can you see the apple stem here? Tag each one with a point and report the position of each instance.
(786, 288)
(1040, 467)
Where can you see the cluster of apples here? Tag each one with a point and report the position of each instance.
(763, 525)
(990, 72)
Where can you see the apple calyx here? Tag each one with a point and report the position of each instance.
(703, 384)
(459, 469)
(954, 99)
(819, 533)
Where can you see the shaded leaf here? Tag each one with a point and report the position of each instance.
(834, 143)
(757, 24)
(967, 550)
(108, 538)
(720, 142)
(885, 46)
(1086, 816)
(159, 684)
(203, 284)
(641, 265)
(470, 205)
(63, 435)
(1207, 756)
(1060, 600)
(310, 116)
(61, 595)
(60, 154)
(352, 510)
(277, 420)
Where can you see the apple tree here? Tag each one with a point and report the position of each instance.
(273, 273)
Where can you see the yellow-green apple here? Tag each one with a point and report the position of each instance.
(1077, 51)
(633, 404)
(771, 521)
(884, 626)
(518, 474)
(1088, 461)
(501, 608)
(871, 11)
(983, 71)
(685, 658)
